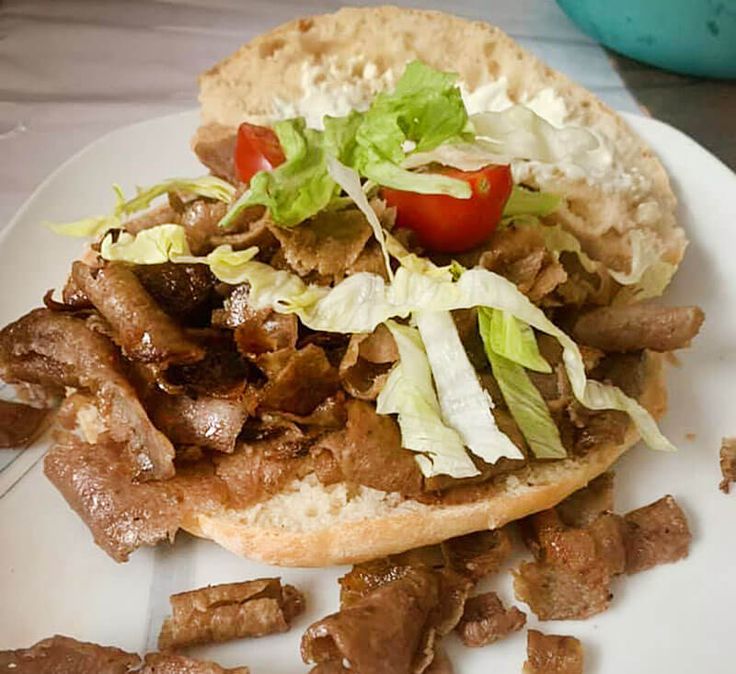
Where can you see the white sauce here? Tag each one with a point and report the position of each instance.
(327, 93)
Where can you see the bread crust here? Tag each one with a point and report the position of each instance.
(347, 542)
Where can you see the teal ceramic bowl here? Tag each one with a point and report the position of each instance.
(695, 37)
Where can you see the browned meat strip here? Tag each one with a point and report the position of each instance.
(166, 663)
(728, 463)
(64, 655)
(326, 245)
(98, 484)
(142, 329)
(555, 592)
(266, 331)
(553, 654)
(485, 620)
(159, 215)
(479, 554)
(520, 255)
(256, 332)
(160, 663)
(330, 667)
(222, 373)
(440, 663)
(639, 326)
(571, 578)
(656, 534)
(212, 423)
(55, 349)
(260, 468)
(369, 451)
(184, 291)
(329, 415)
(367, 577)
(370, 260)
(73, 296)
(298, 380)
(19, 424)
(230, 611)
(200, 219)
(586, 505)
(214, 145)
(386, 632)
(367, 362)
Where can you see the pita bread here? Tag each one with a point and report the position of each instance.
(245, 85)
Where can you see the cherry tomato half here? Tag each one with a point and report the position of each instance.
(256, 149)
(445, 224)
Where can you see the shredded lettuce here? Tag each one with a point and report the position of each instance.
(514, 340)
(363, 301)
(525, 403)
(86, 227)
(527, 202)
(466, 156)
(168, 243)
(465, 405)
(349, 181)
(205, 186)
(648, 274)
(519, 133)
(164, 243)
(409, 393)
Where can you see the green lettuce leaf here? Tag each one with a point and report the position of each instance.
(527, 202)
(86, 227)
(525, 403)
(409, 393)
(425, 110)
(465, 405)
(205, 186)
(515, 341)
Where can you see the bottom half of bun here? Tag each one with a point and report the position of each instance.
(311, 524)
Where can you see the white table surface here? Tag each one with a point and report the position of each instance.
(71, 70)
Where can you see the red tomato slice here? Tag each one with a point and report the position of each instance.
(448, 225)
(256, 149)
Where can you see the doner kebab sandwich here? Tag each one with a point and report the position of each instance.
(411, 300)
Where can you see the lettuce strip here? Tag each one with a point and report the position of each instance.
(465, 405)
(409, 393)
(525, 403)
(515, 341)
(205, 186)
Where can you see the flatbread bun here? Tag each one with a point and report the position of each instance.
(379, 41)
(310, 524)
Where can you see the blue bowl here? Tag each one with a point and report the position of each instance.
(695, 37)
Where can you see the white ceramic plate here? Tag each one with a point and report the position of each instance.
(677, 618)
